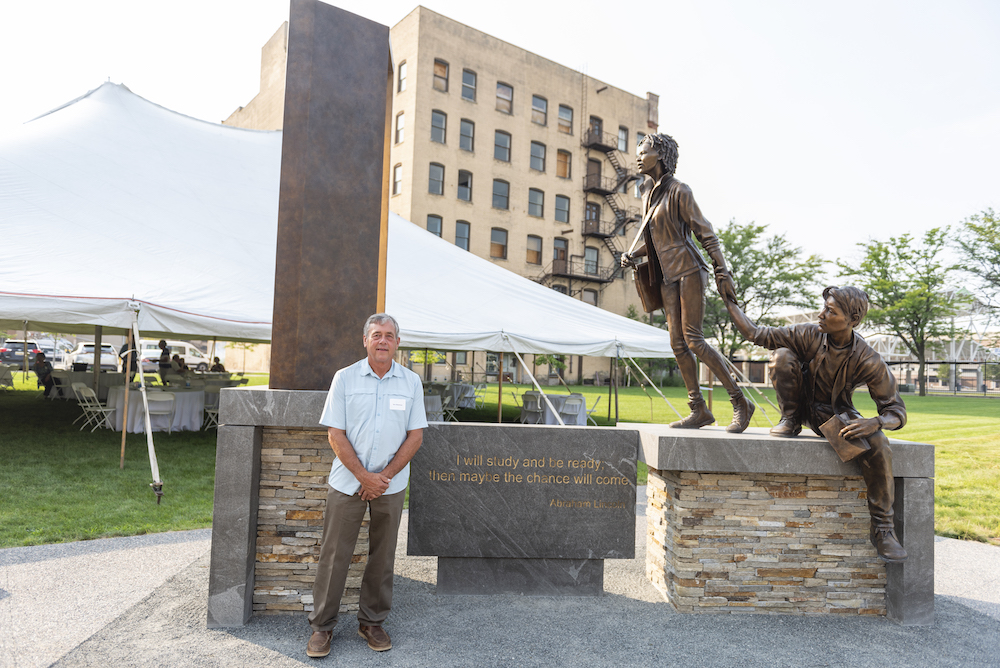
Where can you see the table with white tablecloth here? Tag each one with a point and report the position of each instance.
(189, 410)
(463, 394)
(558, 402)
(108, 381)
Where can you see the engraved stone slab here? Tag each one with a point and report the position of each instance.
(517, 491)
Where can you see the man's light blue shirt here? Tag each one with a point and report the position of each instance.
(376, 413)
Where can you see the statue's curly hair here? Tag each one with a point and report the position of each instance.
(666, 146)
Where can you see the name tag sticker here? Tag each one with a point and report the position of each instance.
(397, 404)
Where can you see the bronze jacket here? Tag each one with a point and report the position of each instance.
(864, 366)
(673, 217)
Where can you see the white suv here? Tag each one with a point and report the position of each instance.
(149, 355)
(84, 354)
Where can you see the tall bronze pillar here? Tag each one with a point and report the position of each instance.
(333, 207)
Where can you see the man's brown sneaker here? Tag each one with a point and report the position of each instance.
(319, 644)
(376, 636)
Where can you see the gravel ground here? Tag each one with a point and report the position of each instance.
(629, 625)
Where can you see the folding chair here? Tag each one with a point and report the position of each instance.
(98, 412)
(211, 407)
(164, 406)
(6, 378)
(532, 411)
(571, 409)
(82, 402)
(592, 409)
(480, 395)
(449, 407)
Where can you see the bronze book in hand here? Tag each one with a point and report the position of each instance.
(847, 449)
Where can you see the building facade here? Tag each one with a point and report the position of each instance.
(509, 155)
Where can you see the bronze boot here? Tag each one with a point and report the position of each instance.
(742, 412)
(700, 416)
(884, 540)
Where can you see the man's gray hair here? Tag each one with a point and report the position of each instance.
(380, 319)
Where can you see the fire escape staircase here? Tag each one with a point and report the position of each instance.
(608, 188)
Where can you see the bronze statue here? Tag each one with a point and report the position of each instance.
(675, 275)
(815, 369)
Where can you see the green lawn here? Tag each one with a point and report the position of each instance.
(59, 484)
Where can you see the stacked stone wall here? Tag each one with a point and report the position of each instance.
(294, 466)
(762, 543)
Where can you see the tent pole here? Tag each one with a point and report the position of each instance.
(128, 373)
(500, 388)
(616, 390)
(154, 468)
(611, 368)
(211, 355)
(98, 340)
(24, 352)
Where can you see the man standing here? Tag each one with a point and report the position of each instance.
(679, 273)
(815, 369)
(375, 415)
(164, 361)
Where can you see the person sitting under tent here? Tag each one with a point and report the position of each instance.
(43, 373)
(217, 366)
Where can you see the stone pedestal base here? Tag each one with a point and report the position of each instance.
(754, 523)
(762, 543)
(528, 577)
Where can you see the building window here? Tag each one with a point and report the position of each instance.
(461, 358)
(462, 235)
(400, 127)
(593, 211)
(590, 260)
(590, 297)
(435, 185)
(560, 249)
(596, 128)
(505, 98)
(401, 86)
(563, 161)
(562, 209)
(441, 76)
(538, 156)
(536, 203)
(434, 224)
(498, 243)
(501, 194)
(561, 289)
(623, 139)
(468, 85)
(501, 146)
(534, 250)
(565, 119)
(439, 126)
(639, 137)
(464, 185)
(467, 135)
(539, 110)
(397, 179)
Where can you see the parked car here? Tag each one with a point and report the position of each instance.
(84, 354)
(12, 352)
(149, 355)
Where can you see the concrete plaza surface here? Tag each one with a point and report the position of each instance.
(141, 601)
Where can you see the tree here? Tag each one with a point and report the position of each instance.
(978, 241)
(907, 290)
(769, 274)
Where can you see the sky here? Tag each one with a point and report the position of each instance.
(830, 122)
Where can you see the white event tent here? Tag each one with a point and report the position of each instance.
(111, 204)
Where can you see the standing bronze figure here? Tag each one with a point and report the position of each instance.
(675, 275)
(815, 369)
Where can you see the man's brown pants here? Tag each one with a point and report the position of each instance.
(344, 515)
